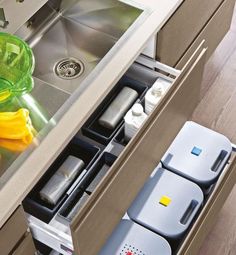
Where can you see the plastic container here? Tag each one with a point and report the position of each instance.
(91, 180)
(198, 154)
(93, 129)
(131, 239)
(33, 203)
(167, 204)
(155, 93)
(134, 119)
(98, 171)
(73, 204)
(17, 65)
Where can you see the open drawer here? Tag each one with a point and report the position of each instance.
(208, 215)
(94, 222)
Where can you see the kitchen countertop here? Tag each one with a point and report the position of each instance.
(13, 191)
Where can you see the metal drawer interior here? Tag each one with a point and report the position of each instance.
(106, 201)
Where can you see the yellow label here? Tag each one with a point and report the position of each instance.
(165, 201)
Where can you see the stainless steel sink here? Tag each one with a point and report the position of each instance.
(69, 38)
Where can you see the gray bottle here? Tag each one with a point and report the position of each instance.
(61, 180)
(118, 108)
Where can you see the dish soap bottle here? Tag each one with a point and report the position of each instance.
(134, 118)
(155, 93)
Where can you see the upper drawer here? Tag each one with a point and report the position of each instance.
(181, 29)
(17, 12)
(128, 174)
(213, 32)
(12, 231)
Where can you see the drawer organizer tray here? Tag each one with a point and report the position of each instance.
(93, 129)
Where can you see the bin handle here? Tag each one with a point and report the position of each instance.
(216, 165)
(188, 214)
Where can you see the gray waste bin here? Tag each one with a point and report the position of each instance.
(167, 204)
(131, 239)
(198, 154)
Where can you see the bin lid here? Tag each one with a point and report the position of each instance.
(167, 203)
(131, 239)
(198, 153)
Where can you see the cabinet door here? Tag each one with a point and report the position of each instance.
(26, 247)
(107, 205)
(12, 231)
(182, 28)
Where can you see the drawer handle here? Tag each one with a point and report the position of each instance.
(215, 167)
(3, 22)
(188, 213)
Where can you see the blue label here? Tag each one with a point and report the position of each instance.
(196, 151)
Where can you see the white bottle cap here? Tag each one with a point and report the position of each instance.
(137, 110)
(157, 89)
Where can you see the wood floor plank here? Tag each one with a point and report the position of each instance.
(220, 57)
(217, 110)
(222, 239)
(218, 60)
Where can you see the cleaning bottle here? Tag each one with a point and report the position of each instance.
(155, 93)
(134, 118)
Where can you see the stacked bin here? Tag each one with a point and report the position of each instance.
(171, 199)
(131, 239)
(198, 153)
(167, 204)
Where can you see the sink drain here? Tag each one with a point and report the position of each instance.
(69, 68)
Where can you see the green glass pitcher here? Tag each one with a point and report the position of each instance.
(16, 67)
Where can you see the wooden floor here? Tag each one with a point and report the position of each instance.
(217, 110)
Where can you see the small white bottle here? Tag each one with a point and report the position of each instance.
(155, 93)
(134, 118)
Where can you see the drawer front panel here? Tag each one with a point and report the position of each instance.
(213, 32)
(24, 9)
(181, 29)
(111, 200)
(210, 212)
(12, 231)
(26, 247)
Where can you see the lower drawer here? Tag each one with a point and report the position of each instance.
(210, 212)
(26, 247)
(13, 231)
(213, 32)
